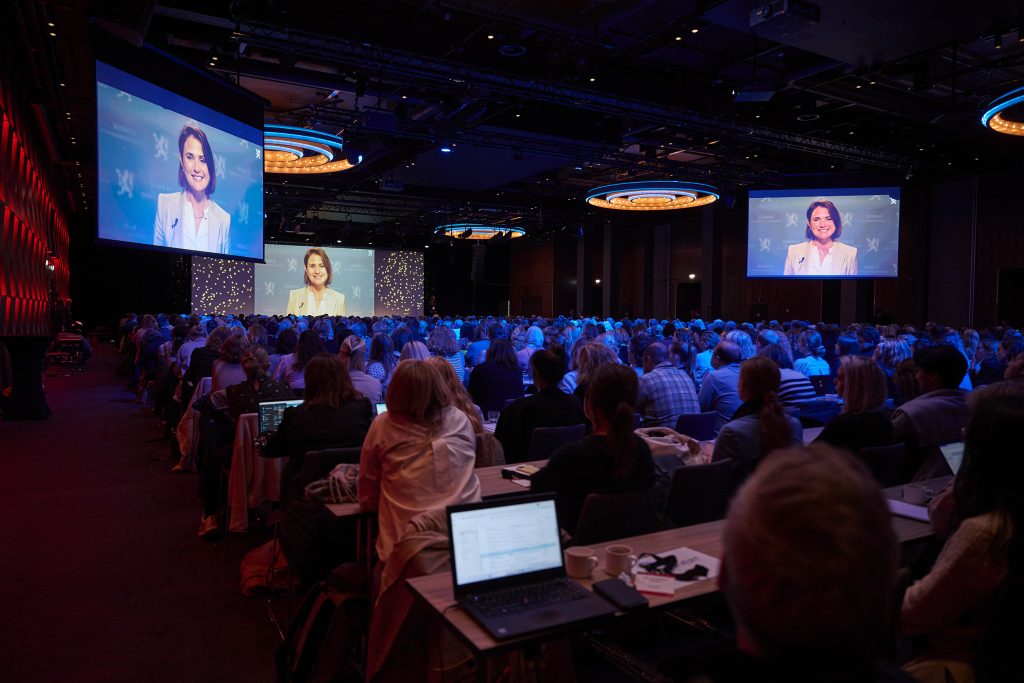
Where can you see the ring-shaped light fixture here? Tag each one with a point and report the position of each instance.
(289, 149)
(477, 231)
(995, 119)
(652, 195)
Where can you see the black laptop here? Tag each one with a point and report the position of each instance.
(507, 568)
(272, 412)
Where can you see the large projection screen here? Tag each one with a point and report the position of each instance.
(865, 233)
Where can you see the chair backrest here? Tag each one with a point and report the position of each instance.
(318, 464)
(822, 384)
(699, 493)
(886, 463)
(816, 413)
(547, 440)
(700, 426)
(608, 516)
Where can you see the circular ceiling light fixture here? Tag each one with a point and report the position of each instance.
(289, 149)
(996, 119)
(512, 50)
(477, 231)
(652, 195)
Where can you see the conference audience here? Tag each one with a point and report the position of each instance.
(418, 456)
(292, 367)
(533, 342)
(795, 389)
(664, 392)
(442, 343)
(382, 360)
(414, 350)
(862, 422)
(759, 425)
(202, 359)
(353, 356)
(498, 379)
(257, 387)
(968, 606)
(806, 611)
(589, 357)
(611, 459)
(813, 362)
(284, 344)
(718, 391)
(227, 369)
(548, 407)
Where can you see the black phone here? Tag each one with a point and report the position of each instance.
(615, 591)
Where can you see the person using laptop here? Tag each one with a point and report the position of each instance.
(968, 606)
(246, 396)
(611, 459)
(417, 456)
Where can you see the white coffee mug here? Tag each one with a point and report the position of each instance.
(915, 494)
(579, 562)
(619, 559)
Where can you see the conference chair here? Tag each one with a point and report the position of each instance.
(699, 493)
(699, 426)
(547, 440)
(885, 463)
(609, 516)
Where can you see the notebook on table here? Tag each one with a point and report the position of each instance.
(507, 568)
(272, 412)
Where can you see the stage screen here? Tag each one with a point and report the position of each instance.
(824, 233)
(161, 185)
(371, 282)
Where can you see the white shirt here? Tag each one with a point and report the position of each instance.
(816, 266)
(197, 241)
(312, 307)
(404, 470)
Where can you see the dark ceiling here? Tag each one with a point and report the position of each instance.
(544, 100)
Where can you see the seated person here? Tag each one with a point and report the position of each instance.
(718, 390)
(227, 369)
(665, 392)
(968, 606)
(418, 456)
(498, 379)
(861, 423)
(795, 390)
(760, 425)
(612, 459)
(806, 611)
(353, 356)
(548, 407)
(939, 414)
(246, 396)
(332, 415)
(291, 368)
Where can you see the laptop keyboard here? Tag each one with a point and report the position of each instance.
(519, 598)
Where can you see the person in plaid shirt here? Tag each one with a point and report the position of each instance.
(665, 392)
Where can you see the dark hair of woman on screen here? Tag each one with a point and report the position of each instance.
(611, 459)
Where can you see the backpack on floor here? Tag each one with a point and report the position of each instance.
(325, 642)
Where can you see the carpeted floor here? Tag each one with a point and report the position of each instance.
(104, 578)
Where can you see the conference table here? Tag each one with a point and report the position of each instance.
(436, 589)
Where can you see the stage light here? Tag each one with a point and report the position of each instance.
(286, 147)
(477, 231)
(654, 195)
(994, 117)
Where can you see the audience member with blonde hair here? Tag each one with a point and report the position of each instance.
(418, 456)
(414, 350)
(861, 423)
(353, 354)
(589, 357)
(760, 425)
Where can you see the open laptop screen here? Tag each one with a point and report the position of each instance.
(498, 541)
(272, 412)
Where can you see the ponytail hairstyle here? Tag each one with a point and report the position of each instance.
(611, 394)
(760, 378)
(810, 341)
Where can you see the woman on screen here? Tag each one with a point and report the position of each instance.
(316, 298)
(190, 219)
(821, 254)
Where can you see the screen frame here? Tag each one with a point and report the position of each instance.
(162, 70)
(809, 191)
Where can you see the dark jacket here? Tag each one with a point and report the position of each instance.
(548, 408)
(491, 384)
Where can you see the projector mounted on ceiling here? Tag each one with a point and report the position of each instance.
(783, 17)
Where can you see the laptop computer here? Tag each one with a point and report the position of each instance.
(507, 568)
(272, 412)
